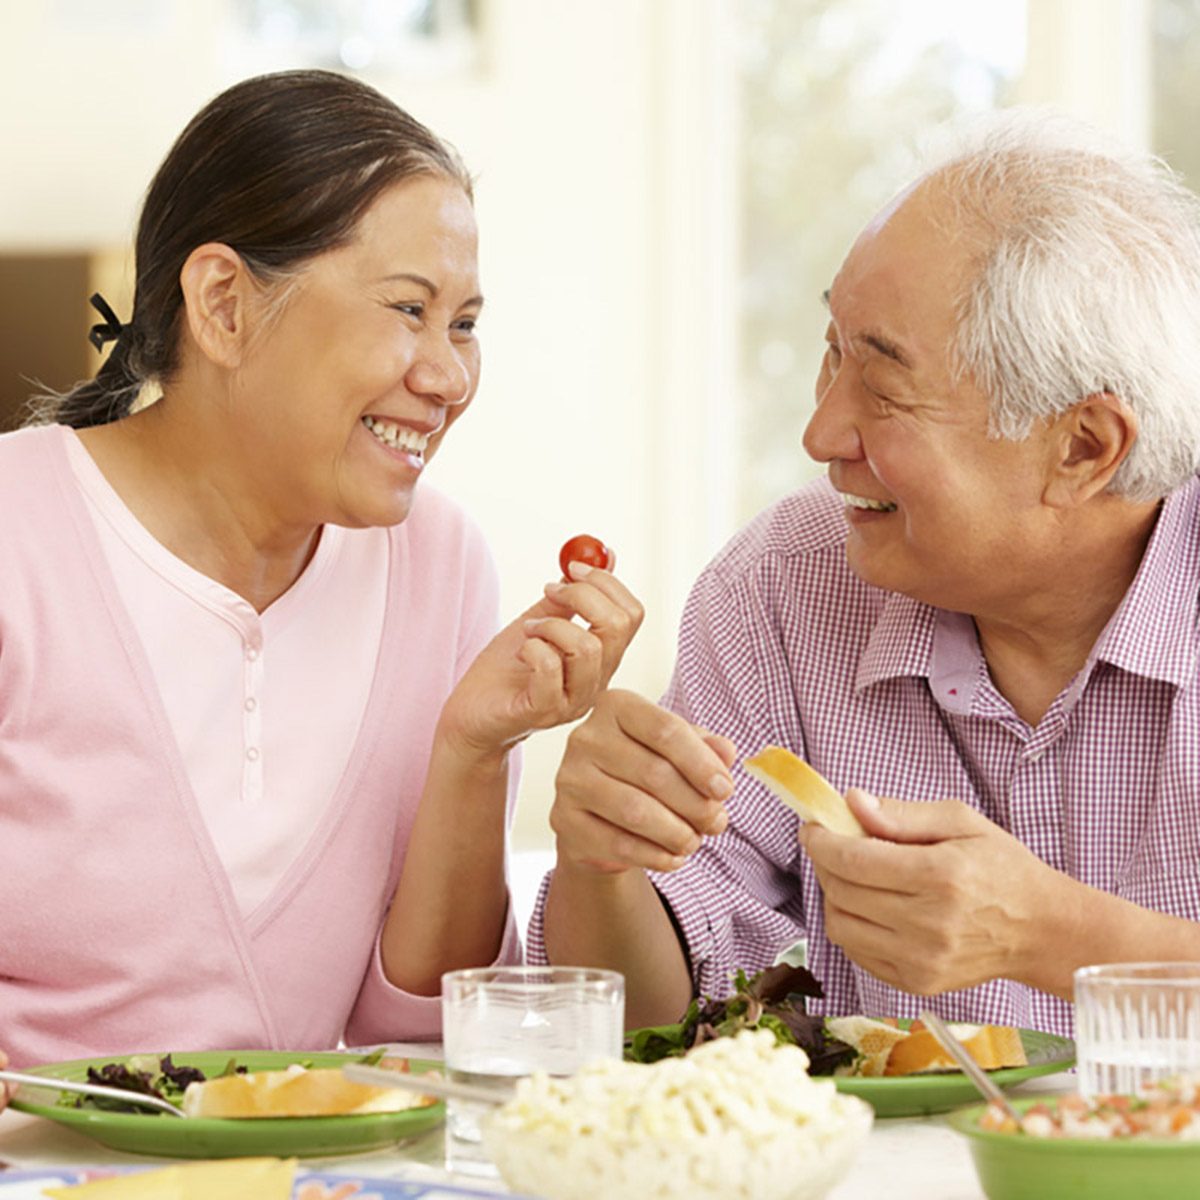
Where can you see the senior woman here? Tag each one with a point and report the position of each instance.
(256, 734)
(983, 626)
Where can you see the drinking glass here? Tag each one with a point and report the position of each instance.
(1136, 1023)
(500, 1024)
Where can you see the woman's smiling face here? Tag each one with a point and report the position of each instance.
(347, 392)
(937, 508)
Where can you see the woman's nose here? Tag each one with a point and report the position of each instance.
(442, 375)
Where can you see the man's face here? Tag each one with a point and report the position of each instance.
(937, 509)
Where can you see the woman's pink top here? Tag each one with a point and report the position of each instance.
(119, 929)
(265, 708)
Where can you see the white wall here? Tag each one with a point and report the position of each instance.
(600, 135)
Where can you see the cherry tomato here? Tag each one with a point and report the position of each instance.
(585, 549)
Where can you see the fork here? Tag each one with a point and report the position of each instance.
(971, 1068)
(91, 1089)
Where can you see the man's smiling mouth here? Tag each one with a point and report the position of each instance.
(867, 503)
(397, 437)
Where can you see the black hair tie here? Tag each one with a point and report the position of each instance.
(108, 330)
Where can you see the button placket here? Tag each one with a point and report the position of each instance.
(252, 681)
(1036, 804)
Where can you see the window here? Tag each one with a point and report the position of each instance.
(833, 95)
(1174, 49)
(416, 36)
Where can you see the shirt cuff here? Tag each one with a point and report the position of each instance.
(710, 971)
(711, 968)
(535, 937)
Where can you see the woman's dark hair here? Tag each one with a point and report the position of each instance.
(280, 168)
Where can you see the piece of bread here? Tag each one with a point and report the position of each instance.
(803, 790)
(230, 1179)
(294, 1092)
(871, 1038)
(991, 1046)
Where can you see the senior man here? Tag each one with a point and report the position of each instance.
(982, 626)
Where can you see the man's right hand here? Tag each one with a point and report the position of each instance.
(639, 787)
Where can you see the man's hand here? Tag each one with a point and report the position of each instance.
(938, 897)
(638, 787)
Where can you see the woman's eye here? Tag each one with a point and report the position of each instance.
(410, 310)
(466, 324)
(833, 354)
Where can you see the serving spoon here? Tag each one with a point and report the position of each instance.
(92, 1089)
(971, 1068)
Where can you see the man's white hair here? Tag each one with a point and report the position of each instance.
(1088, 281)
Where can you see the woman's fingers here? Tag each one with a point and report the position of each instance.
(580, 656)
(611, 611)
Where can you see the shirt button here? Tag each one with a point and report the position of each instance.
(251, 704)
(252, 653)
(252, 754)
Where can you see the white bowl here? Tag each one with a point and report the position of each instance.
(756, 1142)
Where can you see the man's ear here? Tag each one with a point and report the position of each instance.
(217, 290)
(1093, 438)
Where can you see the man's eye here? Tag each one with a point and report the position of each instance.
(833, 354)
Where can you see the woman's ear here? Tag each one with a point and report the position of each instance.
(1094, 438)
(217, 289)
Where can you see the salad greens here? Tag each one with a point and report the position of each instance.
(154, 1075)
(773, 999)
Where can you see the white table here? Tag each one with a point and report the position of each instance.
(904, 1159)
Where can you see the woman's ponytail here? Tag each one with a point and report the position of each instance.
(107, 397)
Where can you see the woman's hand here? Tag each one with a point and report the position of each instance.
(544, 669)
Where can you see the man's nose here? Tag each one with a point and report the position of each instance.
(832, 431)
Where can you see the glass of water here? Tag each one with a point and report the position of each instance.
(500, 1024)
(1136, 1023)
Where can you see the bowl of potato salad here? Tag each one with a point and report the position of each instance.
(735, 1118)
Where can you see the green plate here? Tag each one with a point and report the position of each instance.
(940, 1091)
(207, 1137)
(1013, 1166)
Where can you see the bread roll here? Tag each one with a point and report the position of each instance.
(991, 1046)
(803, 790)
(294, 1092)
(871, 1038)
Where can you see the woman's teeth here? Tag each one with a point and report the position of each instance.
(397, 437)
(867, 502)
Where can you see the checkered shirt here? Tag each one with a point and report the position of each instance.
(781, 643)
